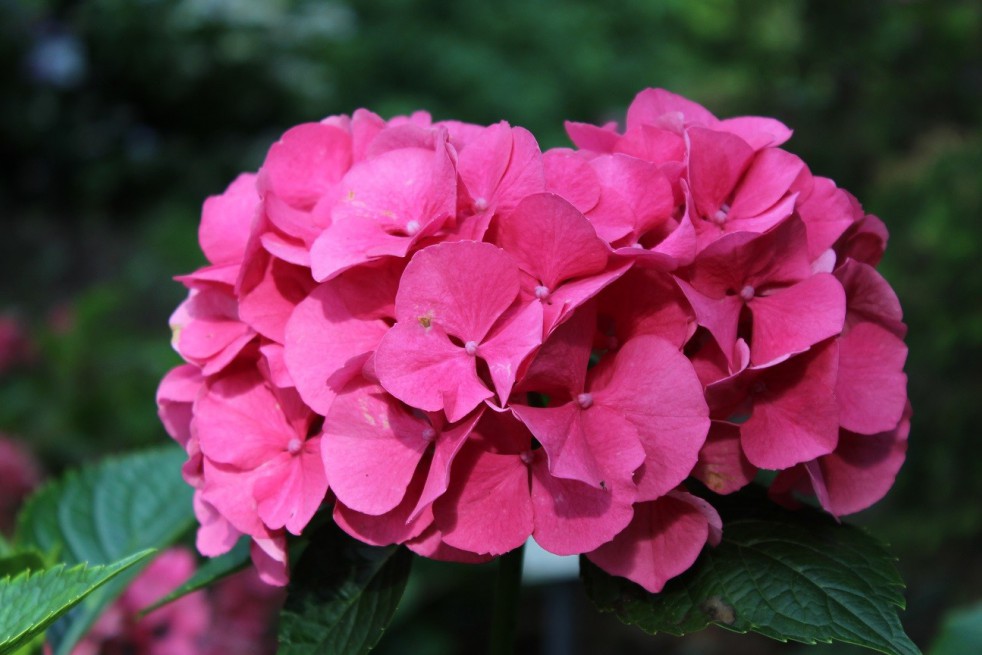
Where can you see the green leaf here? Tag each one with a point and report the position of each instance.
(102, 514)
(342, 595)
(961, 632)
(787, 575)
(211, 571)
(32, 601)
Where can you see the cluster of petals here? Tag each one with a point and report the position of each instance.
(449, 339)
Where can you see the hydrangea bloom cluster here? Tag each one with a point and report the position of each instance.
(455, 341)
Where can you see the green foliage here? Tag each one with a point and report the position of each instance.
(961, 632)
(342, 595)
(33, 600)
(102, 514)
(787, 575)
(12, 564)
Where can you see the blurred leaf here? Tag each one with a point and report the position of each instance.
(211, 571)
(342, 595)
(786, 575)
(104, 513)
(32, 601)
(12, 564)
(961, 632)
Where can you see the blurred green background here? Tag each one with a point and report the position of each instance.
(117, 118)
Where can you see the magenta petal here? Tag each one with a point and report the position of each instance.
(267, 306)
(717, 160)
(862, 469)
(647, 302)
(462, 286)
(794, 318)
(768, 179)
(722, 465)
(572, 517)
(430, 544)
(560, 365)
(570, 176)
(346, 244)
(651, 105)
(552, 240)
(488, 508)
(662, 541)
(330, 332)
(394, 526)
(290, 489)
(306, 161)
(869, 297)
(560, 430)
(758, 131)
(449, 441)
(269, 556)
(423, 368)
(720, 316)
(175, 395)
(372, 446)
(558, 307)
(516, 335)
(239, 421)
(592, 137)
(654, 386)
(501, 166)
(226, 220)
(216, 536)
(827, 212)
(872, 387)
(795, 415)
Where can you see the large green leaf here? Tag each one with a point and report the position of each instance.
(787, 575)
(103, 513)
(342, 595)
(29, 560)
(33, 600)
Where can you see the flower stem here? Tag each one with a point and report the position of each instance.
(506, 602)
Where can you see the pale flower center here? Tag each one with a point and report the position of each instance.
(721, 214)
(412, 227)
(584, 400)
(470, 348)
(429, 434)
(747, 292)
(294, 446)
(541, 292)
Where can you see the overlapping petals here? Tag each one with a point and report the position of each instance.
(449, 339)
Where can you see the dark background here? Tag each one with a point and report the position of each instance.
(117, 118)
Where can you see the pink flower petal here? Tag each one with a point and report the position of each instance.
(267, 306)
(227, 219)
(663, 540)
(305, 163)
(717, 160)
(871, 387)
(175, 396)
(795, 415)
(488, 508)
(290, 488)
(794, 318)
(500, 166)
(516, 334)
(722, 465)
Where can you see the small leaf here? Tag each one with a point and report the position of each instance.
(342, 595)
(787, 575)
(103, 513)
(211, 571)
(31, 601)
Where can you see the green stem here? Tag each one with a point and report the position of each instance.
(506, 602)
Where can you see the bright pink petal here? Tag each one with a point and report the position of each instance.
(240, 422)
(654, 386)
(269, 556)
(663, 540)
(552, 240)
(227, 219)
(290, 489)
(827, 212)
(717, 160)
(650, 107)
(423, 368)
(448, 442)
(570, 176)
(795, 415)
(430, 544)
(501, 166)
(721, 316)
(641, 186)
(267, 306)
(646, 302)
(794, 318)
(869, 298)
(516, 335)
(592, 137)
(758, 131)
(562, 434)
(767, 181)
(305, 163)
(871, 387)
(572, 517)
(215, 536)
(561, 303)
(488, 507)
(463, 287)
(330, 333)
(372, 446)
(175, 396)
(393, 527)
